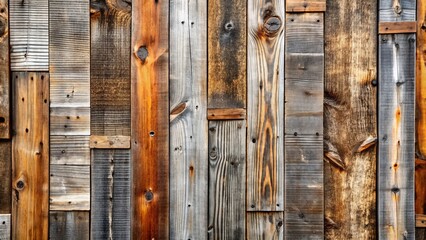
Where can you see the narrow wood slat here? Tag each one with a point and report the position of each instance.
(4, 71)
(5, 227)
(265, 132)
(397, 27)
(227, 174)
(305, 5)
(397, 10)
(226, 114)
(420, 233)
(304, 96)
(70, 150)
(30, 168)
(29, 35)
(396, 137)
(5, 183)
(69, 187)
(150, 119)
(420, 220)
(108, 142)
(69, 225)
(188, 122)
(69, 121)
(227, 54)
(265, 225)
(110, 200)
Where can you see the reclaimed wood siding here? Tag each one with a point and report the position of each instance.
(69, 225)
(5, 226)
(4, 71)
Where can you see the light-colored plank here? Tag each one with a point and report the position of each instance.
(150, 119)
(69, 121)
(227, 54)
(396, 137)
(397, 10)
(108, 142)
(227, 174)
(397, 27)
(4, 71)
(188, 123)
(30, 155)
(29, 35)
(5, 170)
(72, 150)
(265, 225)
(5, 227)
(69, 225)
(226, 114)
(69, 187)
(305, 5)
(420, 220)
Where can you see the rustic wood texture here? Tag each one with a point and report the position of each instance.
(108, 142)
(420, 189)
(265, 225)
(420, 233)
(227, 54)
(5, 176)
(396, 137)
(227, 174)
(70, 150)
(350, 119)
(111, 211)
(69, 225)
(420, 220)
(69, 121)
(30, 155)
(397, 10)
(29, 35)
(5, 227)
(226, 114)
(397, 27)
(69, 187)
(188, 123)
(150, 119)
(4, 71)
(265, 131)
(110, 67)
(304, 95)
(306, 5)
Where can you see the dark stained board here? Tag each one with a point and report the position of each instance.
(4, 71)
(69, 225)
(265, 225)
(5, 176)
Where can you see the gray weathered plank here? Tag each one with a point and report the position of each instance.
(396, 218)
(227, 175)
(265, 225)
(71, 150)
(110, 201)
(188, 122)
(5, 170)
(4, 71)
(69, 225)
(304, 95)
(29, 35)
(397, 10)
(69, 121)
(265, 131)
(5, 227)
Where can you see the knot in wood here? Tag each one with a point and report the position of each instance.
(142, 53)
(397, 7)
(149, 195)
(3, 25)
(272, 25)
(20, 184)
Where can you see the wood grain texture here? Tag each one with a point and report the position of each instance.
(306, 6)
(304, 96)
(420, 233)
(227, 174)
(420, 220)
(397, 10)
(69, 187)
(111, 210)
(265, 225)
(69, 225)
(4, 71)
(69, 150)
(108, 142)
(150, 119)
(110, 67)
(350, 128)
(420, 189)
(29, 39)
(227, 54)
(226, 114)
(188, 122)
(30, 155)
(265, 132)
(396, 137)
(65, 121)
(397, 27)
(5, 176)
(5, 227)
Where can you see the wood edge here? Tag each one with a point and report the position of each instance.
(109, 142)
(421, 220)
(226, 114)
(304, 7)
(397, 27)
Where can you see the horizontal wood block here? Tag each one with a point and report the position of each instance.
(69, 225)
(305, 6)
(226, 114)
(420, 220)
(108, 142)
(69, 121)
(4, 226)
(397, 27)
(72, 150)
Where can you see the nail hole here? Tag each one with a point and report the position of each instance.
(253, 140)
(2, 120)
(152, 133)
(295, 134)
(26, 130)
(42, 77)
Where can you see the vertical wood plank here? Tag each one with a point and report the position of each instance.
(188, 122)
(265, 76)
(304, 96)
(5, 176)
(5, 227)
(396, 219)
(30, 155)
(397, 10)
(265, 225)
(150, 119)
(227, 54)
(69, 225)
(350, 118)
(4, 71)
(29, 35)
(227, 174)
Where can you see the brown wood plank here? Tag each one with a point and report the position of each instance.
(5, 227)
(397, 27)
(420, 188)
(350, 119)
(227, 54)
(109, 142)
(305, 5)
(226, 114)
(265, 225)
(420, 220)
(420, 233)
(69, 225)
(150, 119)
(30, 155)
(4, 71)
(227, 174)
(5, 176)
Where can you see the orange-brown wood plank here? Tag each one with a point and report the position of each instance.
(226, 114)
(4, 71)
(397, 27)
(305, 6)
(5, 170)
(30, 155)
(150, 120)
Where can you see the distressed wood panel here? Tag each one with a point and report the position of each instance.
(188, 123)
(69, 187)
(305, 5)
(397, 10)
(420, 189)
(420, 220)
(69, 150)
(5, 170)
(265, 132)
(150, 119)
(396, 137)
(420, 233)
(111, 211)
(4, 71)
(108, 142)
(29, 35)
(304, 96)
(69, 121)
(227, 174)
(265, 225)
(397, 27)
(350, 119)
(69, 225)
(5, 227)
(227, 45)
(30, 155)
(226, 114)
